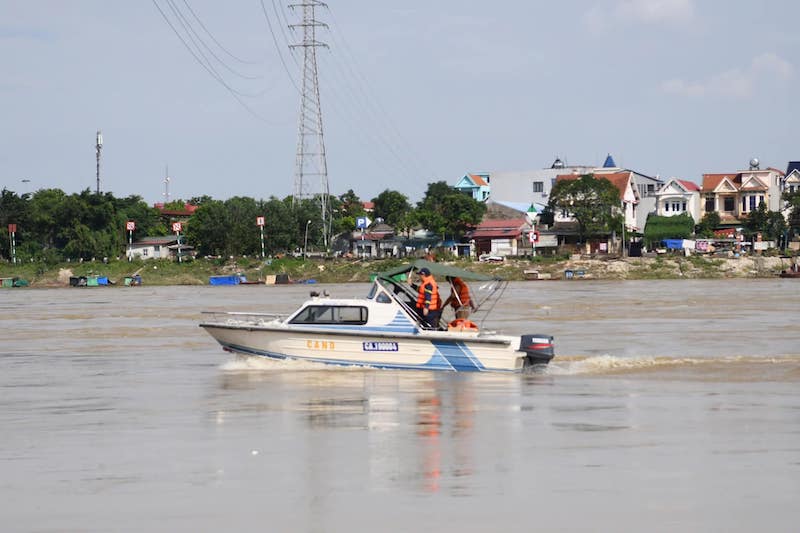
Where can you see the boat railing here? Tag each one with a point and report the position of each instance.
(243, 317)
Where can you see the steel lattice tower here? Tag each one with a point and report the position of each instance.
(310, 161)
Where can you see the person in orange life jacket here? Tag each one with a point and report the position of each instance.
(428, 301)
(459, 297)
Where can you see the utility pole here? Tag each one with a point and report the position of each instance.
(310, 160)
(98, 146)
(166, 186)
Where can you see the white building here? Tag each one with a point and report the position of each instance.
(677, 197)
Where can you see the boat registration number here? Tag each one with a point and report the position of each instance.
(374, 346)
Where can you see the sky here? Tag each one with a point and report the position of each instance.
(412, 92)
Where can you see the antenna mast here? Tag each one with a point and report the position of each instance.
(98, 146)
(310, 159)
(166, 185)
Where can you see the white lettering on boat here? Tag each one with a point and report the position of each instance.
(375, 346)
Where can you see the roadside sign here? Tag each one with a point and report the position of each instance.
(176, 227)
(12, 228)
(130, 225)
(533, 236)
(260, 221)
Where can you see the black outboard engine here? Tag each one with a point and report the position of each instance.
(538, 349)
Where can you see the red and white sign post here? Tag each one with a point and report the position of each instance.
(130, 226)
(260, 224)
(533, 236)
(12, 235)
(176, 227)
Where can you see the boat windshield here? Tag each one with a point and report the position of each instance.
(331, 314)
(372, 291)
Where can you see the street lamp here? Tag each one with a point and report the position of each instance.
(305, 241)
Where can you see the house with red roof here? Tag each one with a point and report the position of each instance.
(677, 197)
(502, 237)
(475, 185)
(735, 195)
(566, 227)
(628, 195)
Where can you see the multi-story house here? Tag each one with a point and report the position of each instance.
(628, 195)
(475, 185)
(677, 197)
(646, 188)
(733, 196)
(791, 181)
(526, 187)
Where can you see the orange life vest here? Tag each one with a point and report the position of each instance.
(462, 324)
(428, 285)
(462, 291)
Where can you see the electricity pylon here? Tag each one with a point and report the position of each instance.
(310, 161)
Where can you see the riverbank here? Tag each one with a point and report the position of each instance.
(197, 272)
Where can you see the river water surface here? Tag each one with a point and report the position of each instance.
(670, 406)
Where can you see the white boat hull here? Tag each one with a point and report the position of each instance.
(452, 351)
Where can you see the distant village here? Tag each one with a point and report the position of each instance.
(514, 226)
(515, 202)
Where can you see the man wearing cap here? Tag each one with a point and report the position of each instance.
(428, 302)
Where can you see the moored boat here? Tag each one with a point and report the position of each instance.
(791, 272)
(381, 330)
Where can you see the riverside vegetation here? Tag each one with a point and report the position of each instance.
(197, 272)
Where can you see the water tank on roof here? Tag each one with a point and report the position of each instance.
(558, 163)
(754, 163)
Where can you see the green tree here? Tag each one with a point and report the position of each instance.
(792, 200)
(391, 206)
(14, 209)
(207, 230)
(447, 211)
(592, 201)
(347, 207)
(708, 224)
(770, 224)
(147, 220)
(243, 234)
(351, 205)
(280, 227)
(659, 228)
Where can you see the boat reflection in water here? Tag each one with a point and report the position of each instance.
(411, 428)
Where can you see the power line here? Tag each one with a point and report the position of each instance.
(208, 68)
(240, 60)
(277, 47)
(363, 83)
(195, 38)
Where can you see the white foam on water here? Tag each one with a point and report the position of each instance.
(601, 364)
(246, 363)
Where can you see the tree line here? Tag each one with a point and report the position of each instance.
(54, 226)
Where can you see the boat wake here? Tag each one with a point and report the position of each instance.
(780, 368)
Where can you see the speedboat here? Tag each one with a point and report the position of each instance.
(382, 330)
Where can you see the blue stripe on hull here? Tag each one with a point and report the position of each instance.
(459, 356)
(448, 356)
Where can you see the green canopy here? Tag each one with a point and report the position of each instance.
(439, 270)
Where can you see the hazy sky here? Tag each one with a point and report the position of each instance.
(412, 91)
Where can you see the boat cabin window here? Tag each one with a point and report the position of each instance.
(331, 314)
(383, 298)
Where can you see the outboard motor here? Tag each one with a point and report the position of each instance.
(538, 349)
